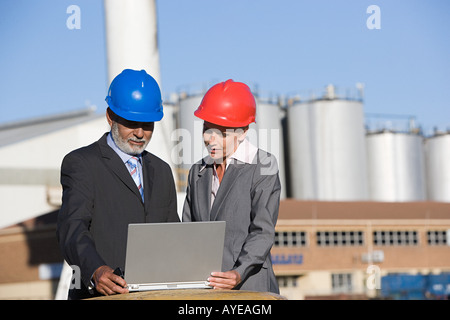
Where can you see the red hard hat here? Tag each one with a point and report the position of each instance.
(228, 104)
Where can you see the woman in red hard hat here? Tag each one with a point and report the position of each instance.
(237, 183)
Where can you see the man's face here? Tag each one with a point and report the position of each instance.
(222, 142)
(131, 137)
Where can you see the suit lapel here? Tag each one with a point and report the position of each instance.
(203, 194)
(229, 179)
(115, 164)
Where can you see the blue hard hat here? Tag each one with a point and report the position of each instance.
(135, 96)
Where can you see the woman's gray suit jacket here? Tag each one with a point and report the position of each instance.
(248, 200)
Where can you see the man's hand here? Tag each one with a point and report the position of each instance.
(107, 283)
(224, 280)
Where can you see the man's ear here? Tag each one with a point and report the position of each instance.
(110, 116)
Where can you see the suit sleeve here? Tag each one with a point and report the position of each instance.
(74, 218)
(265, 193)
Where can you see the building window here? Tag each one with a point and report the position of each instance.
(287, 281)
(437, 237)
(340, 238)
(341, 282)
(290, 239)
(395, 238)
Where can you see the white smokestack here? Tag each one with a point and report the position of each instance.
(131, 37)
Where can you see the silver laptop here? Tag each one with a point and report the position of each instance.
(176, 255)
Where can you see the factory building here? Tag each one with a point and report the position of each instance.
(363, 250)
(29, 184)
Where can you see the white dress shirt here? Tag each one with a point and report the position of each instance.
(245, 152)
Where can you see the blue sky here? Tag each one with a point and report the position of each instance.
(284, 47)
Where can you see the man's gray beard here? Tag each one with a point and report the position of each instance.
(124, 145)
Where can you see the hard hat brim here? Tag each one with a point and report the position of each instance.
(206, 116)
(138, 116)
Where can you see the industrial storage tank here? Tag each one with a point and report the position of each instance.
(437, 155)
(188, 137)
(266, 133)
(396, 167)
(327, 148)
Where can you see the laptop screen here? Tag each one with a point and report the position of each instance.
(173, 252)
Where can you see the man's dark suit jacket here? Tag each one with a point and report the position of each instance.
(100, 199)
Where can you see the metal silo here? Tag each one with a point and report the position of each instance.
(437, 150)
(327, 149)
(188, 136)
(396, 168)
(267, 134)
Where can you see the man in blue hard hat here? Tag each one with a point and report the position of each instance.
(112, 183)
